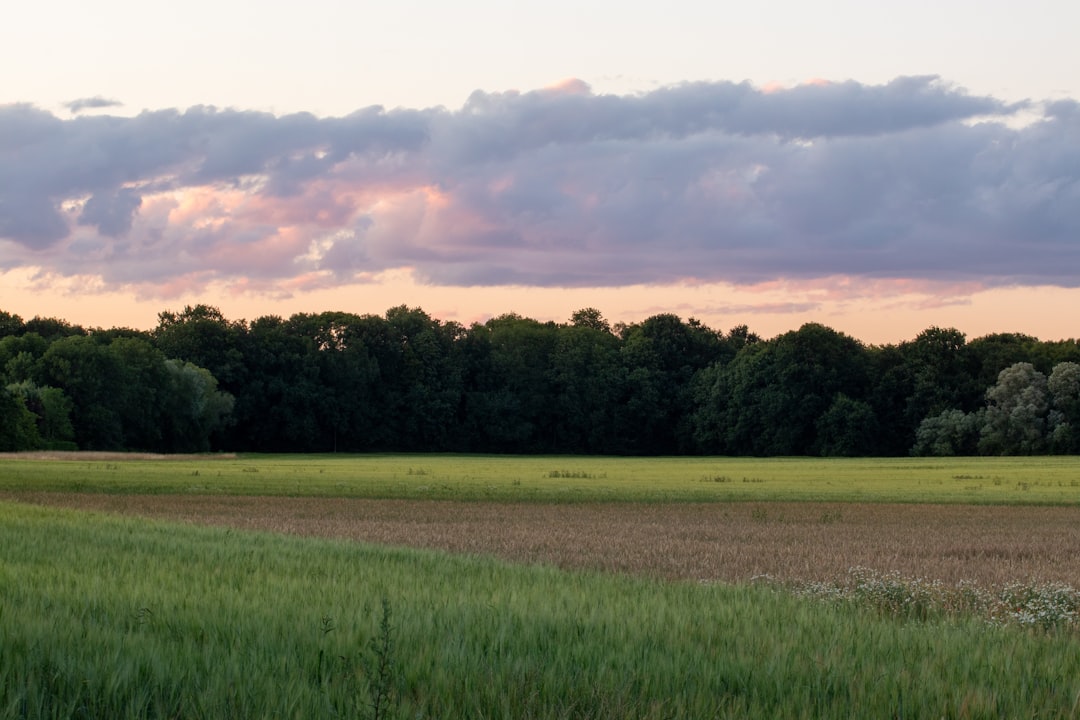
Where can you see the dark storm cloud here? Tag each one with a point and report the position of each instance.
(559, 187)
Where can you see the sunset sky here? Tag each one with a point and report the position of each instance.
(768, 164)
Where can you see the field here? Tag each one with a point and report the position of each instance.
(538, 587)
(728, 542)
(1010, 481)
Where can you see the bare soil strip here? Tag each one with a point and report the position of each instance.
(732, 542)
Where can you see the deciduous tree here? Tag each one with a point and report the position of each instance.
(1016, 413)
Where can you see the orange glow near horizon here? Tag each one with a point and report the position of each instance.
(877, 312)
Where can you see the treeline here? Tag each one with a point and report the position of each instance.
(405, 381)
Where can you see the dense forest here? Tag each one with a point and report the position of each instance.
(335, 382)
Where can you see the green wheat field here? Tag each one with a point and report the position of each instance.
(110, 617)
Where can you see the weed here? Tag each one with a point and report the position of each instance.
(1044, 607)
(575, 474)
(830, 516)
(379, 668)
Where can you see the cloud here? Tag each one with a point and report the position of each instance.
(558, 187)
(111, 213)
(92, 103)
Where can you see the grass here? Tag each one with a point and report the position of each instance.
(1005, 481)
(103, 616)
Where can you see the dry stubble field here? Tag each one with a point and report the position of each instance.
(803, 541)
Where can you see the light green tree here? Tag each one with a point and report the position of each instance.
(1064, 387)
(1017, 409)
(52, 411)
(195, 407)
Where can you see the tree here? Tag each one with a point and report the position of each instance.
(590, 318)
(10, 324)
(891, 385)
(280, 399)
(987, 356)
(18, 429)
(1016, 413)
(202, 335)
(427, 385)
(778, 390)
(94, 380)
(52, 411)
(52, 328)
(660, 358)
(952, 432)
(509, 397)
(193, 407)
(1064, 388)
(140, 393)
(849, 428)
(19, 356)
(587, 382)
(938, 374)
(346, 373)
(740, 336)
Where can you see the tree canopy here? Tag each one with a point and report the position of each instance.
(406, 381)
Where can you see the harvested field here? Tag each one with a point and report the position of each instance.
(805, 541)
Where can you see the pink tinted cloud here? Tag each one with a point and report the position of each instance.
(321, 203)
(839, 192)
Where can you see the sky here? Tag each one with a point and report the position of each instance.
(877, 170)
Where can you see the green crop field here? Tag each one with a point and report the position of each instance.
(107, 617)
(104, 616)
(1036, 480)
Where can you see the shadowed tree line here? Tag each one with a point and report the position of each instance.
(405, 381)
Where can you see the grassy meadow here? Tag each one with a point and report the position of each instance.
(1014, 480)
(108, 616)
